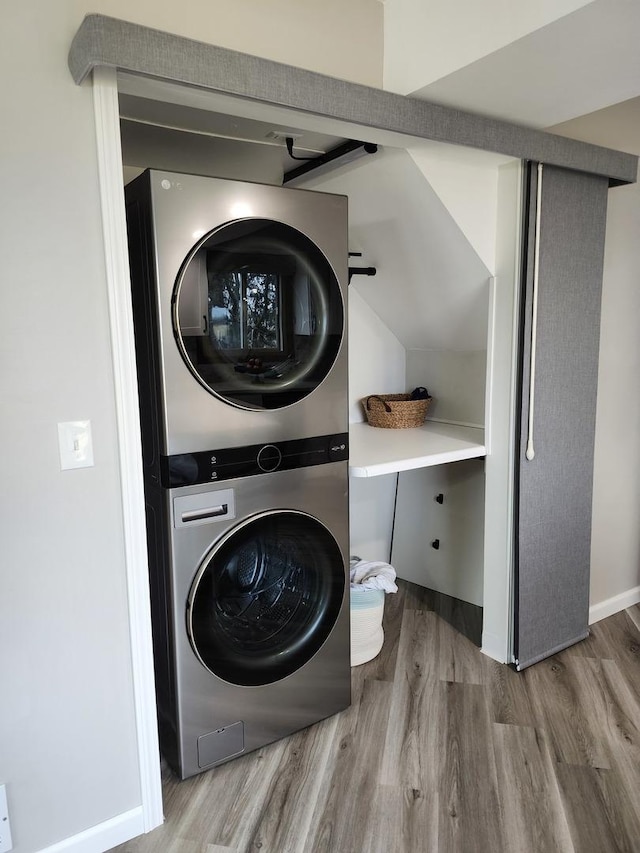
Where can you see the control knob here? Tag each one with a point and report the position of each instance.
(269, 458)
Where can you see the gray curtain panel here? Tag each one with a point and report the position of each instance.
(554, 489)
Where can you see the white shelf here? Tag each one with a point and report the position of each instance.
(374, 451)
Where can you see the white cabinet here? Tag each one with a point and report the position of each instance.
(438, 539)
(438, 511)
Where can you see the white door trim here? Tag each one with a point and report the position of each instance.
(107, 119)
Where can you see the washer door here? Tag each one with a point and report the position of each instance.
(266, 597)
(258, 314)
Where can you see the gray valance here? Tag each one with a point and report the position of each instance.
(106, 41)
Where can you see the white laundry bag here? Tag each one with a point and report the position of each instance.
(369, 583)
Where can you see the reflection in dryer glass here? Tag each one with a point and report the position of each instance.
(244, 310)
(258, 314)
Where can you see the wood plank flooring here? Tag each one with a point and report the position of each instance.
(442, 751)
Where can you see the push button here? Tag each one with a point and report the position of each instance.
(339, 447)
(269, 458)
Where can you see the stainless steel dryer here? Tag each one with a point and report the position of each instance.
(239, 299)
(251, 607)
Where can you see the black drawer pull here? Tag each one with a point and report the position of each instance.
(435, 544)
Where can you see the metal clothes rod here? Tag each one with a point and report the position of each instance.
(348, 147)
(361, 271)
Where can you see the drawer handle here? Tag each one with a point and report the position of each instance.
(210, 512)
(439, 498)
(436, 544)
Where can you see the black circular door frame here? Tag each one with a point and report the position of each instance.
(266, 597)
(265, 342)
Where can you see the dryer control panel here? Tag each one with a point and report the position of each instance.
(211, 466)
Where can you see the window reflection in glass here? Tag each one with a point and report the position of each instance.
(244, 308)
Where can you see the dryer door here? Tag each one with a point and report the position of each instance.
(266, 597)
(258, 314)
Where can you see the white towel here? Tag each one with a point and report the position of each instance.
(365, 574)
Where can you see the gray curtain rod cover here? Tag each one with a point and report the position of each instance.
(106, 41)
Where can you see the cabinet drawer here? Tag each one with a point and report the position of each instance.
(438, 542)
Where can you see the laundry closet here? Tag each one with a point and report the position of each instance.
(426, 317)
(455, 236)
(487, 291)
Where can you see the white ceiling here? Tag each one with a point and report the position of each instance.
(268, 135)
(581, 63)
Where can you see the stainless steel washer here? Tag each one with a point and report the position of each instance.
(251, 611)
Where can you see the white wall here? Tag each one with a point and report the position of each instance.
(376, 366)
(333, 37)
(67, 733)
(68, 741)
(430, 285)
(377, 359)
(456, 380)
(615, 544)
(583, 61)
(424, 41)
(466, 182)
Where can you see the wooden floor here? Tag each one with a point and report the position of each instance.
(442, 750)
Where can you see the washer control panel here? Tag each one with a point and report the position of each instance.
(211, 466)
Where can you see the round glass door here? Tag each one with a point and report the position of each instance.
(258, 314)
(266, 598)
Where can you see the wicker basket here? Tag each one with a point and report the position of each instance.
(395, 411)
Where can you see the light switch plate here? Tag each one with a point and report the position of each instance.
(76, 447)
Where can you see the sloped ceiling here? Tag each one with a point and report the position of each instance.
(431, 287)
(467, 183)
(583, 62)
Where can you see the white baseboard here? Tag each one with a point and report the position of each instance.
(614, 605)
(493, 647)
(104, 836)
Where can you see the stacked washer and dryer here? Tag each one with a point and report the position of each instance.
(239, 295)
